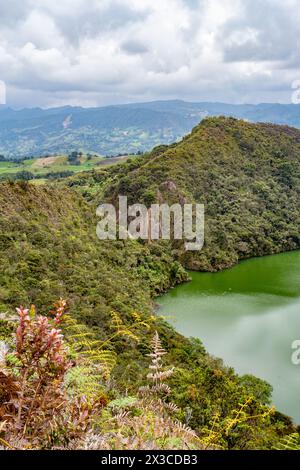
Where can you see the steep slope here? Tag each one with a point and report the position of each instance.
(246, 175)
(48, 249)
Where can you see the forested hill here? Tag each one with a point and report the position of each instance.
(246, 175)
(119, 129)
(248, 178)
(49, 250)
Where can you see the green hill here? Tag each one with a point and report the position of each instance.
(49, 249)
(246, 175)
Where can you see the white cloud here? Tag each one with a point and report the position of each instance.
(110, 51)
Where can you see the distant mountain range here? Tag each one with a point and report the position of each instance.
(113, 130)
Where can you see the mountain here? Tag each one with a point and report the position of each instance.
(247, 176)
(120, 129)
(49, 250)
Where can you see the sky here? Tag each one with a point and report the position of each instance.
(101, 52)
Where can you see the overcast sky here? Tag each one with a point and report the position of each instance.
(99, 52)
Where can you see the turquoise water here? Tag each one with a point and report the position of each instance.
(249, 316)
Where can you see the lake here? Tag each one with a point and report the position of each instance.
(249, 316)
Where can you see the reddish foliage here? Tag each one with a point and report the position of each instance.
(33, 403)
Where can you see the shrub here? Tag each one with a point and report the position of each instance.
(33, 404)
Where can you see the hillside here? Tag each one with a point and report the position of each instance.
(49, 249)
(119, 129)
(246, 175)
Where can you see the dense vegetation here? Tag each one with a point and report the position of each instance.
(52, 394)
(56, 393)
(247, 177)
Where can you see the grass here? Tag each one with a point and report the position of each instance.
(54, 164)
(8, 167)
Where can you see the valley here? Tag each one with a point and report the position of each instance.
(248, 177)
(53, 167)
(126, 128)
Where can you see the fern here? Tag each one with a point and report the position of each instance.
(157, 374)
(92, 356)
(84, 380)
(214, 438)
(123, 403)
(291, 442)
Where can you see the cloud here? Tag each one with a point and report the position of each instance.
(134, 47)
(265, 31)
(111, 51)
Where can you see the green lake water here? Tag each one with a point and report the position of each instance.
(248, 315)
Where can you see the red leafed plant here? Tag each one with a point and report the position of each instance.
(33, 405)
